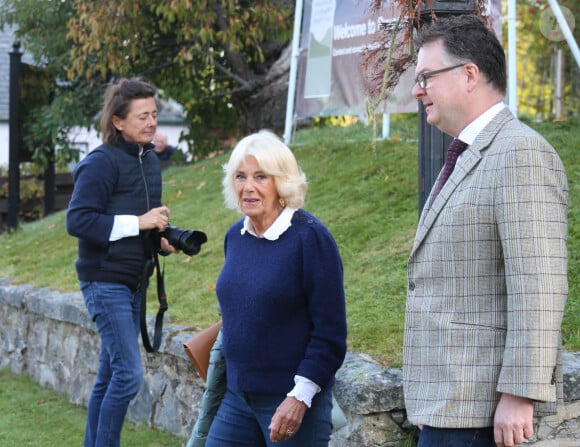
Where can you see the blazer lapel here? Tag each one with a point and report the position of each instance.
(469, 161)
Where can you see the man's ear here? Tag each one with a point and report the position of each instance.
(473, 75)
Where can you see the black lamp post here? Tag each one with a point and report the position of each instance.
(433, 143)
(14, 141)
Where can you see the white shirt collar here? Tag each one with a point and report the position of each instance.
(473, 129)
(280, 225)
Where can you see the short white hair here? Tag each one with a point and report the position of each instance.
(275, 159)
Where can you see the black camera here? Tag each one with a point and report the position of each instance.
(188, 241)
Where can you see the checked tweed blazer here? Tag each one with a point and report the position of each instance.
(487, 282)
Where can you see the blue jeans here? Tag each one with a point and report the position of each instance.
(456, 437)
(242, 420)
(115, 310)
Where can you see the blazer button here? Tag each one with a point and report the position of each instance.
(411, 286)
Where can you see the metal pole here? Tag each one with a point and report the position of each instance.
(386, 126)
(512, 58)
(49, 185)
(565, 29)
(14, 140)
(559, 83)
(293, 69)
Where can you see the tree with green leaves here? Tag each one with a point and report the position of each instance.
(536, 55)
(42, 31)
(221, 59)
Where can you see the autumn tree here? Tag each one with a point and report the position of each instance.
(42, 31)
(222, 59)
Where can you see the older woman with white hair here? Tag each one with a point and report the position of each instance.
(282, 300)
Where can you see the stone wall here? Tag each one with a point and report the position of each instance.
(49, 336)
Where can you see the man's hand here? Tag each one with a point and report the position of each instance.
(513, 421)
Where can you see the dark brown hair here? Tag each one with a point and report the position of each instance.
(117, 102)
(466, 38)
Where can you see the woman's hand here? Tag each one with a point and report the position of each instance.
(287, 419)
(167, 247)
(154, 218)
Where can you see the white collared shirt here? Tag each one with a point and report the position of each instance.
(280, 225)
(474, 128)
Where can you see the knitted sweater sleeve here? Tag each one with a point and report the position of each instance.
(324, 286)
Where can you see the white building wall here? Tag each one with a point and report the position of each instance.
(87, 140)
(4, 145)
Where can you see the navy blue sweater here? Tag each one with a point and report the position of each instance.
(108, 182)
(283, 307)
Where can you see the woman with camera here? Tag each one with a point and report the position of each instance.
(116, 213)
(282, 302)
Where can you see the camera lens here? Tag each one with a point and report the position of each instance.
(188, 241)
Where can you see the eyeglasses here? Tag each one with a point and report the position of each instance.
(421, 78)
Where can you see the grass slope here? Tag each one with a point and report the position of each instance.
(367, 196)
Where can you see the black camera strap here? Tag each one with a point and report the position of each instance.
(154, 263)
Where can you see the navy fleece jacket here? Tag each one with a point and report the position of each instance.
(108, 182)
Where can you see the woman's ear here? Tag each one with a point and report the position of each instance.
(117, 122)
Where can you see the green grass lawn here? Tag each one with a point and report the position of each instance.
(32, 416)
(366, 194)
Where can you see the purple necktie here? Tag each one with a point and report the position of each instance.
(455, 149)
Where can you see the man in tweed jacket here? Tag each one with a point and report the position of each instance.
(487, 275)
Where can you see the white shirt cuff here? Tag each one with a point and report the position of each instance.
(124, 226)
(304, 390)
